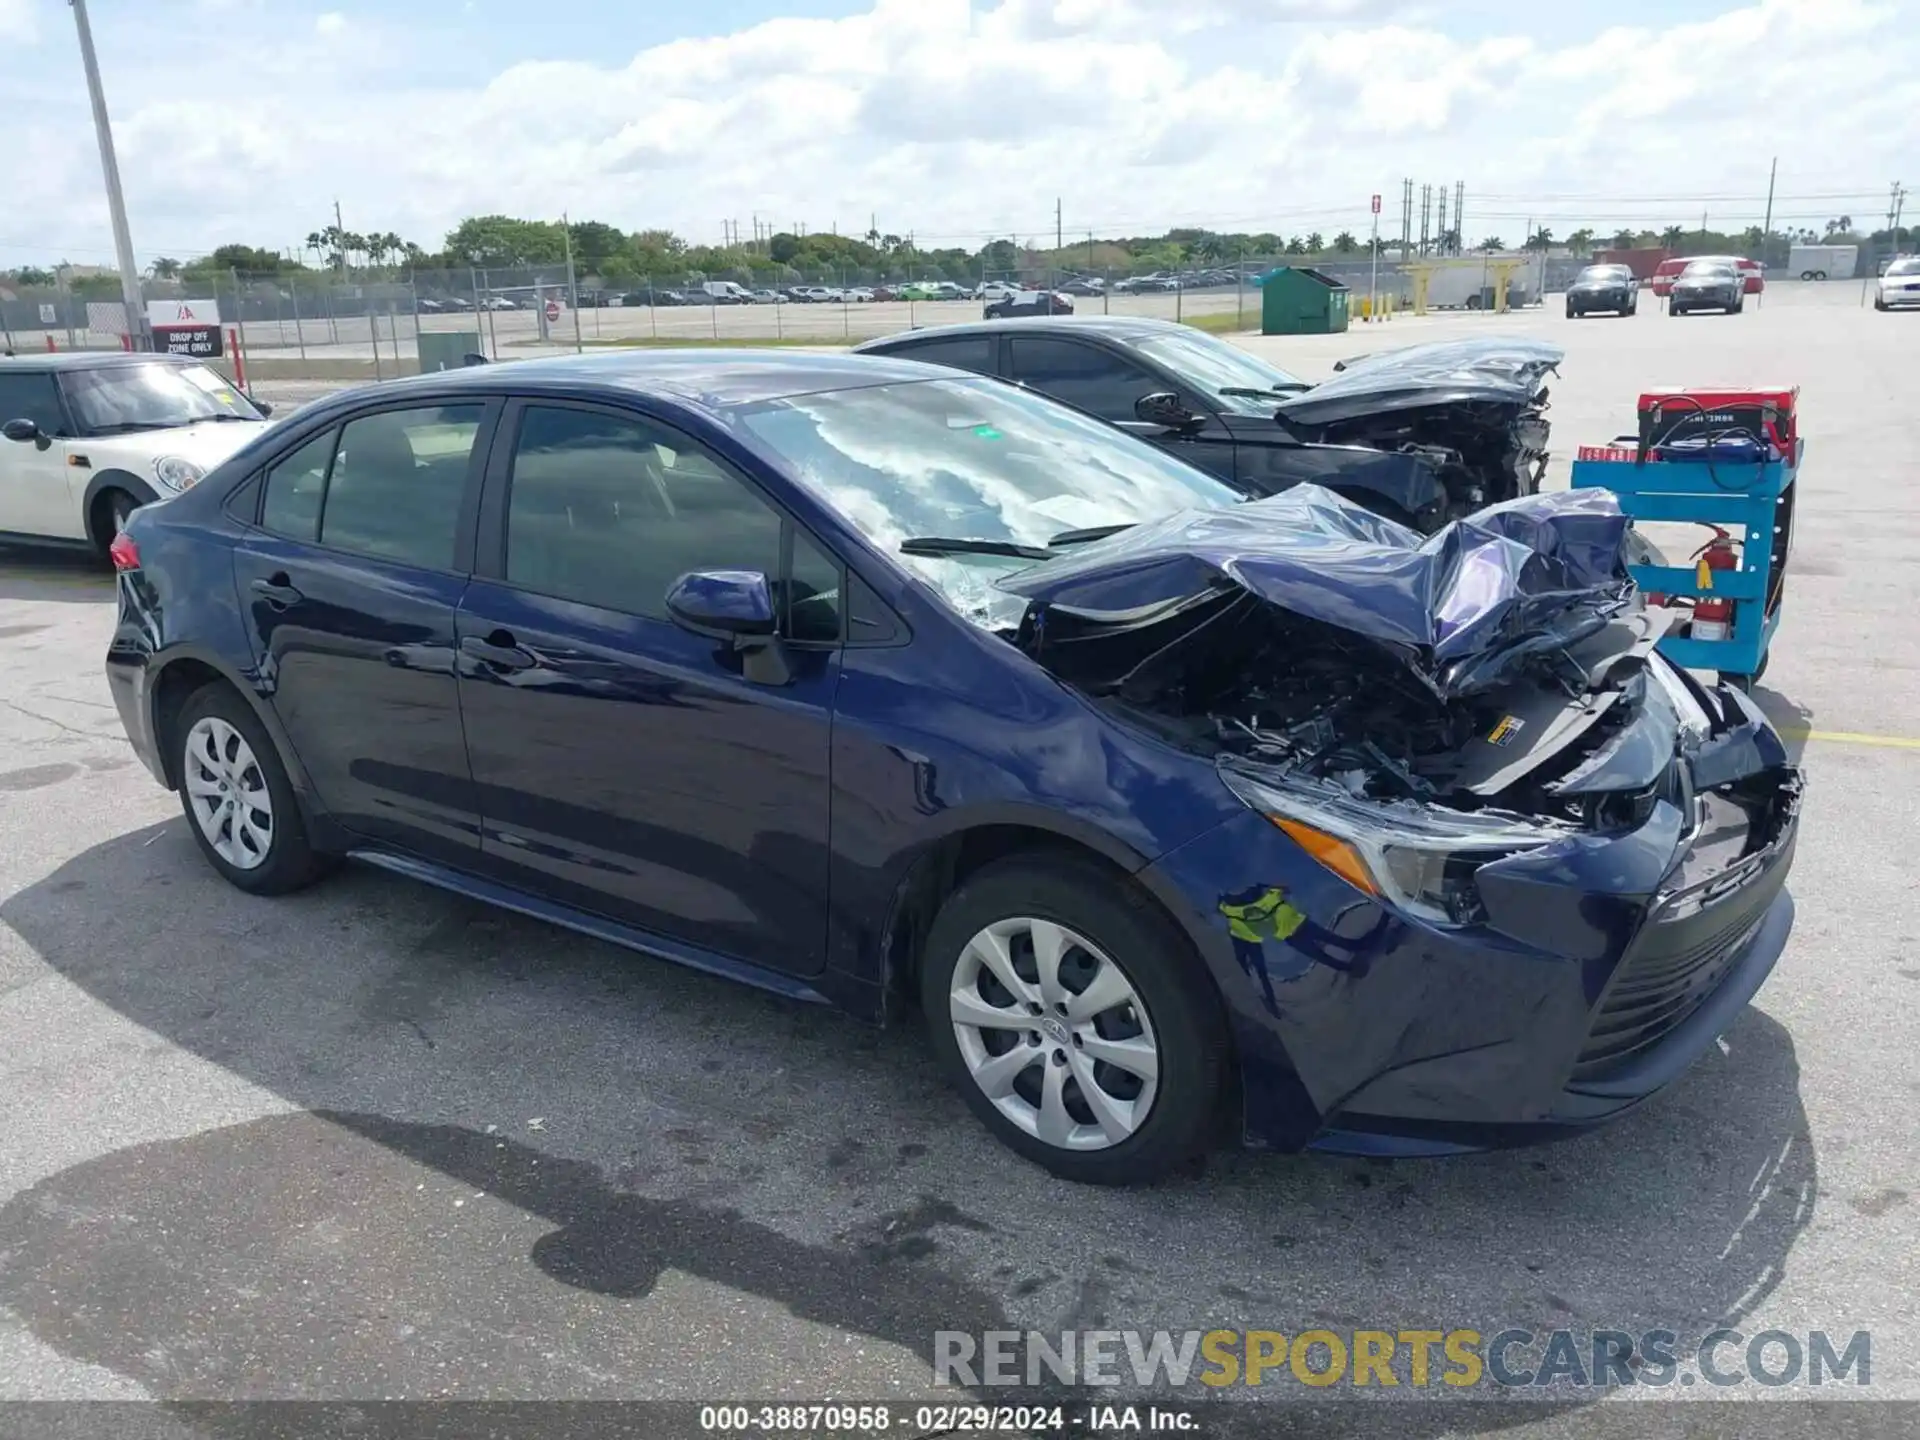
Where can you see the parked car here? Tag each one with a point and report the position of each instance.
(499, 302)
(860, 295)
(427, 305)
(892, 727)
(1029, 302)
(1899, 285)
(89, 437)
(1707, 285)
(1752, 272)
(1603, 287)
(996, 289)
(768, 297)
(1085, 285)
(1421, 436)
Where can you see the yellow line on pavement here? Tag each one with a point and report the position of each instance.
(1848, 737)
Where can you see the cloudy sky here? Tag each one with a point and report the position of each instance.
(960, 120)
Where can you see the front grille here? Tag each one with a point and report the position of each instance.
(1653, 991)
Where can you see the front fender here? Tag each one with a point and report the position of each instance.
(142, 492)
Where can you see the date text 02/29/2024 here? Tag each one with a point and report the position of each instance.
(966, 1419)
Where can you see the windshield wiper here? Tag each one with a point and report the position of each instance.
(1248, 392)
(1089, 535)
(125, 427)
(934, 546)
(225, 416)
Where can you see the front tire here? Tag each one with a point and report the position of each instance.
(1075, 1020)
(238, 800)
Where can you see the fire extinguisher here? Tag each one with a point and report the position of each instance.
(1713, 614)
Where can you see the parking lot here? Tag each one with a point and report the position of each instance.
(376, 1141)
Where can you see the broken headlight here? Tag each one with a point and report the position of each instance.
(1418, 858)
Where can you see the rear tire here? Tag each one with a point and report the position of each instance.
(238, 800)
(1064, 929)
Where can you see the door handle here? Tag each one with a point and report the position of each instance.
(499, 651)
(277, 590)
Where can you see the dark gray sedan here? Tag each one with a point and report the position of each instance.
(1708, 285)
(1603, 287)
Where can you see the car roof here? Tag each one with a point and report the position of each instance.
(712, 379)
(1114, 327)
(88, 360)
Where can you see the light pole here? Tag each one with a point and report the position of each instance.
(110, 169)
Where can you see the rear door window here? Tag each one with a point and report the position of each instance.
(962, 352)
(32, 397)
(397, 482)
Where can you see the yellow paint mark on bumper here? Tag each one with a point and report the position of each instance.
(1848, 737)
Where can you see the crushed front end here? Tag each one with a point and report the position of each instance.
(1503, 870)
(1474, 410)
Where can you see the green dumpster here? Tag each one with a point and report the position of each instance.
(447, 350)
(1297, 301)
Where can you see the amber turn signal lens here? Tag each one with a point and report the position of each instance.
(1331, 851)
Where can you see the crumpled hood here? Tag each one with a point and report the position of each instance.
(1461, 608)
(1498, 369)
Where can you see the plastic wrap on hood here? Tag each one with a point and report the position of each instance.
(1448, 371)
(1462, 608)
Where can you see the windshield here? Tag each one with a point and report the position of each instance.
(115, 399)
(1606, 272)
(1212, 366)
(1707, 270)
(972, 459)
(1904, 267)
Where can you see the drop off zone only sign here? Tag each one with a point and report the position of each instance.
(185, 327)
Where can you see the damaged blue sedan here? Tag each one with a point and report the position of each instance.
(1174, 815)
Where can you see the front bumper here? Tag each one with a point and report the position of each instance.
(1599, 300)
(1602, 974)
(1894, 299)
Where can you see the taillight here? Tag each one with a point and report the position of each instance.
(125, 554)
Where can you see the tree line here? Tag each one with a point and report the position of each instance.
(605, 254)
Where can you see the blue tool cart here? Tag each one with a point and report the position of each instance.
(1758, 497)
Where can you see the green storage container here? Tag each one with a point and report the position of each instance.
(1298, 301)
(440, 350)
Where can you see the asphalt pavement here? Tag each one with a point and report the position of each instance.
(377, 1142)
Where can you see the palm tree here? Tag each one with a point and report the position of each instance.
(1541, 239)
(1581, 239)
(1315, 244)
(1673, 235)
(1344, 242)
(1296, 246)
(1623, 239)
(165, 269)
(1493, 243)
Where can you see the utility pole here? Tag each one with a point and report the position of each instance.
(1406, 218)
(573, 284)
(1426, 216)
(1459, 217)
(340, 238)
(1059, 244)
(1440, 230)
(1766, 226)
(110, 172)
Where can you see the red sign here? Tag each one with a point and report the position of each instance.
(553, 309)
(1376, 204)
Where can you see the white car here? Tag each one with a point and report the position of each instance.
(1900, 286)
(860, 295)
(995, 290)
(88, 438)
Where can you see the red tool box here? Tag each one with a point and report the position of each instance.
(1692, 415)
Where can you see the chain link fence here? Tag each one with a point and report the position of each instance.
(374, 322)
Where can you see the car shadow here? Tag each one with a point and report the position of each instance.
(516, 1162)
(32, 572)
(1793, 720)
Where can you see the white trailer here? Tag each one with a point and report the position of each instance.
(1823, 262)
(1468, 283)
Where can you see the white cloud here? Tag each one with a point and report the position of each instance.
(19, 23)
(961, 121)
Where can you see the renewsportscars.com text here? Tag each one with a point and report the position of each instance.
(1512, 1358)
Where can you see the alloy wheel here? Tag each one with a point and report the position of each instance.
(1054, 1034)
(227, 793)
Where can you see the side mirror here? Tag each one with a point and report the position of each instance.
(1163, 408)
(21, 430)
(263, 407)
(725, 604)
